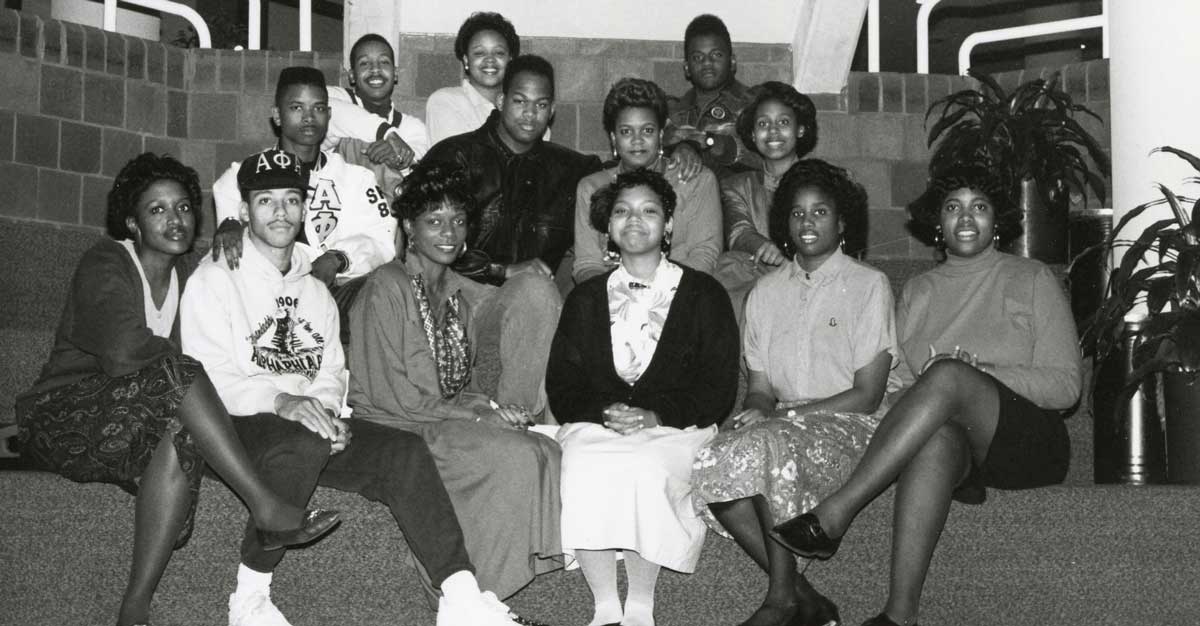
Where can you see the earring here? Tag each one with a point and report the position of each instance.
(666, 242)
(466, 68)
(614, 152)
(612, 254)
(939, 242)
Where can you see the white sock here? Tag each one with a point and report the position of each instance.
(250, 581)
(461, 586)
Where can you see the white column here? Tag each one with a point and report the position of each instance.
(1155, 98)
(360, 17)
(823, 46)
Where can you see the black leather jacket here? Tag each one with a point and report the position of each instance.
(525, 203)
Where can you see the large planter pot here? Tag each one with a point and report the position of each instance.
(1181, 406)
(1044, 227)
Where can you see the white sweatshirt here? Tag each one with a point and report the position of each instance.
(260, 333)
(347, 211)
(349, 119)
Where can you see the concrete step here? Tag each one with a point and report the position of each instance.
(1061, 555)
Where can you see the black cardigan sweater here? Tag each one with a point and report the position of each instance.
(690, 381)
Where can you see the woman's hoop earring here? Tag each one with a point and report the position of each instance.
(666, 242)
(939, 242)
(612, 254)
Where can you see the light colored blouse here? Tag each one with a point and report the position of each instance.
(809, 332)
(637, 311)
(159, 321)
(453, 111)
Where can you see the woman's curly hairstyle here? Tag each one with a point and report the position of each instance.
(849, 198)
(634, 93)
(606, 196)
(926, 211)
(783, 93)
(136, 177)
(486, 20)
(430, 185)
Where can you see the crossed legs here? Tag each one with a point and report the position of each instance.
(925, 443)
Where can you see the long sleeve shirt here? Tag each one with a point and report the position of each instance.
(690, 381)
(394, 377)
(1009, 311)
(696, 234)
(347, 211)
(260, 333)
(103, 326)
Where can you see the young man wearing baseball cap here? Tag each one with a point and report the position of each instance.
(349, 229)
(266, 333)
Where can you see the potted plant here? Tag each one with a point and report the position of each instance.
(1033, 134)
(1159, 277)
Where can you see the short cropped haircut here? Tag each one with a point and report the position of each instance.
(706, 24)
(431, 185)
(486, 20)
(801, 105)
(606, 197)
(299, 75)
(369, 38)
(531, 64)
(849, 198)
(634, 93)
(996, 183)
(135, 178)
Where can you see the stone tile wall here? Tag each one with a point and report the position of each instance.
(78, 102)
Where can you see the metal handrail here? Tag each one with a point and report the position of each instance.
(166, 6)
(1021, 32)
(1003, 34)
(873, 36)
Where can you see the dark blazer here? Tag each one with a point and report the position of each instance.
(525, 203)
(103, 326)
(692, 379)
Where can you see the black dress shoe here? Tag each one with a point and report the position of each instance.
(314, 524)
(883, 620)
(815, 608)
(804, 536)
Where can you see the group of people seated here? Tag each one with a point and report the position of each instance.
(331, 338)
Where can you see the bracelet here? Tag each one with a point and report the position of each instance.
(343, 260)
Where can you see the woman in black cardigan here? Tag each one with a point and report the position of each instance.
(642, 367)
(118, 403)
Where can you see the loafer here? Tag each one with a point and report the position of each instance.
(314, 524)
(804, 537)
(816, 610)
(883, 620)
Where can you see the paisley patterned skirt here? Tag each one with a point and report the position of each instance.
(105, 429)
(792, 461)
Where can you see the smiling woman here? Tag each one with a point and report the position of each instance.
(485, 44)
(643, 363)
(416, 328)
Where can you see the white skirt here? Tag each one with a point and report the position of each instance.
(632, 492)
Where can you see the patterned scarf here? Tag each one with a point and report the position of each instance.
(448, 342)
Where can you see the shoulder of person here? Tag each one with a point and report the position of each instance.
(1023, 266)
(705, 178)
(340, 94)
(446, 96)
(591, 289)
(861, 270)
(337, 166)
(598, 179)
(700, 283)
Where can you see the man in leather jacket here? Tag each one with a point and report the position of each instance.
(524, 187)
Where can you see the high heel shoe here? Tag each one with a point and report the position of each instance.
(314, 524)
(815, 608)
(804, 537)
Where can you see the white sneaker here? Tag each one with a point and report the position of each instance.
(487, 610)
(254, 609)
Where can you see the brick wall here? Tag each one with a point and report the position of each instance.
(77, 103)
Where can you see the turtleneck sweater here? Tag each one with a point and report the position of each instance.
(1009, 311)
